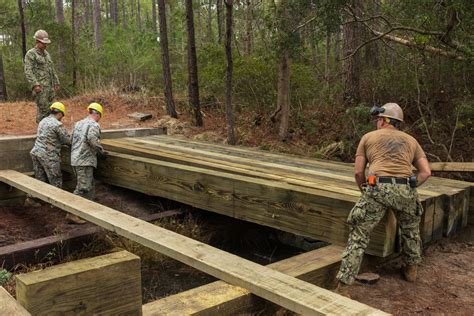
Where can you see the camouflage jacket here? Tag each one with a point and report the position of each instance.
(39, 69)
(85, 143)
(49, 139)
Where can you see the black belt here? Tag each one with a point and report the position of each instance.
(392, 180)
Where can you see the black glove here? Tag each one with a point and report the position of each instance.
(102, 155)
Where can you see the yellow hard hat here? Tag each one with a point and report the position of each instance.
(58, 106)
(390, 110)
(97, 107)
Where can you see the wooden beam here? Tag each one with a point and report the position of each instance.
(10, 306)
(293, 294)
(108, 284)
(317, 267)
(58, 245)
(307, 212)
(452, 166)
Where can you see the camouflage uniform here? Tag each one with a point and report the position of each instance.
(39, 70)
(85, 147)
(367, 213)
(46, 153)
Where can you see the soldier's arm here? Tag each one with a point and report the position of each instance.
(424, 170)
(359, 170)
(29, 73)
(63, 135)
(93, 138)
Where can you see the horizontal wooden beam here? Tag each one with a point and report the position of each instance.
(452, 166)
(303, 211)
(317, 267)
(58, 245)
(293, 294)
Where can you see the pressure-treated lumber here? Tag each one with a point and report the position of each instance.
(9, 306)
(307, 212)
(108, 284)
(286, 291)
(318, 267)
(452, 166)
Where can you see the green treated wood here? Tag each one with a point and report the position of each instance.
(291, 293)
(318, 267)
(108, 284)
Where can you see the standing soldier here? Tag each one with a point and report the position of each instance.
(40, 73)
(389, 186)
(46, 153)
(84, 150)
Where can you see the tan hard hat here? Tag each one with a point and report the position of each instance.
(42, 36)
(392, 110)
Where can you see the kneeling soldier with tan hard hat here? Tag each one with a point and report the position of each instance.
(390, 185)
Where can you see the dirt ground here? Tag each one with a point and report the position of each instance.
(446, 276)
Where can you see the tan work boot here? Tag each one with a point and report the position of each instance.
(73, 219)
(410, 272)
(342, 289)
(30, 202)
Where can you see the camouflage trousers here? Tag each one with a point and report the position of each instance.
(43, 102)
(85, 181)
(367, 213)
(48, 170)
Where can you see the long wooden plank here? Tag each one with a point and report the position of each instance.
(9, 306)
(308, 212)
(293, 294)
(317, 267)
(452, 166)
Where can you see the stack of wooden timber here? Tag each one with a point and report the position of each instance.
(303, 196)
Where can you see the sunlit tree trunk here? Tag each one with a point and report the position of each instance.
(124, 15)
(209, 22)
(229, 69)
(248, 27)
(219, 20)
(165, 59)
(3, 85)
(193, 84)
(23, 29)
(96, 15)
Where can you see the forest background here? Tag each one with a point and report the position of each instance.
(304, 71)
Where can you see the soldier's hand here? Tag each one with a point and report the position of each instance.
(37, 89)
(56, 88)
(103, 154)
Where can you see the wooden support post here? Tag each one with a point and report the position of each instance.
(109, 284)
(286, 291)
(318, 267)
(10, 306)
(426, 225)
(438, 218)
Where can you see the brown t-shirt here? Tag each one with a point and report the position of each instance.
(390, 152)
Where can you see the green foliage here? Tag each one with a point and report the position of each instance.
(4, 276)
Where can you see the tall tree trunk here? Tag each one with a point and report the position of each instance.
(107, 10)
(337, 45)
(351, 34)
(50, 9)
(283, 96)
(165, 60)
(73, 43)
(59, 11)
(139, 16)
(219, 21)
(193, 85)
(209, 22)
(282, 112)
(114, 12)
(124, 15)
(3, 85)
(132, 8)
(248, 27)
(153, 16)
(327, 65)
(23, 29)
(96, 14)
(229, 69)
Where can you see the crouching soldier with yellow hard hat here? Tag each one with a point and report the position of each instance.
(390, 185)
(84, 150)
(46, 153)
